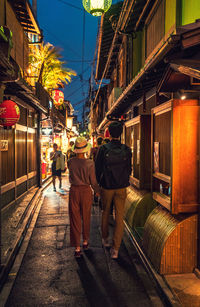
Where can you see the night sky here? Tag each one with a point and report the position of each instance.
(62, 26)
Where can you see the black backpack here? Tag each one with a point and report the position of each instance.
(117, 167)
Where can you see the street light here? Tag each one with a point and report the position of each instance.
(97, 7)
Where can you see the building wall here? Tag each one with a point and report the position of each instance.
(2, 18)
(20, 49)
(7, 157)
(143, 47)
(137, 53)
(18, 164)
(170, 15)
(190, 11)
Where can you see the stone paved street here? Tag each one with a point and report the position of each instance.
(50, 275)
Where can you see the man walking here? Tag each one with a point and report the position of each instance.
(58, 165)
(113, 168)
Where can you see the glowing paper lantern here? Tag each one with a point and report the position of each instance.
(97, 7)
(9, 113)
(58, 97)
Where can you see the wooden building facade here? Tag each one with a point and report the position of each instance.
(20, 160)
(150, 53)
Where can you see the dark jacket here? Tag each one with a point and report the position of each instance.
(115, 174)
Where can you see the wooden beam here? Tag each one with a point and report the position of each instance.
(142, 14)
(35, 24)
(189, 71)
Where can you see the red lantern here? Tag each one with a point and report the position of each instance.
(58, 97)
(9, 113)
(106, 133)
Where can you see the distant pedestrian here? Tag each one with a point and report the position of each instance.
(82, 178)
(57, 166)
(113, 168)
(95, 149)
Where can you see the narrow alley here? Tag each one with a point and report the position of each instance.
(50, 275)
(104, 95)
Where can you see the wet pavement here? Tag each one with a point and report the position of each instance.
(50, 275)
(12, 219)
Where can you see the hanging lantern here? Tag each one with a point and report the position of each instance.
(97, 7)
(9, 113)
(58, 97)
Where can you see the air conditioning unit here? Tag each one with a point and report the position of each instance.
(116, 92)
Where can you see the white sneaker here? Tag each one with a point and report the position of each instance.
(105, 242)
(114, 253)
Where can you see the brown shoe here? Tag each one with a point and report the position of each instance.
(114, 253)
(85, 246)
(105, 243)
(77, 254)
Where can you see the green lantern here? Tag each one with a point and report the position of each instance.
(97, 7)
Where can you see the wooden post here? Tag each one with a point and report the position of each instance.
(198, 234)
(27, 153)
(15, 163)
(38, 151)
(0, 202)
(2, 88)
(152, 150)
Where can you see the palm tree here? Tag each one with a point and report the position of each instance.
(46, 67)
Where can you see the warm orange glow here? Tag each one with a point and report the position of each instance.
(185, 150)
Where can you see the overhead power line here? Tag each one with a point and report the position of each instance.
(81, 107)
(63, 43)
(85, 61)
(80, 75)
(79, 102)
(72, 5)
(83, 50)
(75, 91)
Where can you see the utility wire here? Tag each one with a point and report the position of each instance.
(72, 5)
(80, 76)
(93, 63)
(83, 50)
(81, 107)
(63, 43)
(77, 103)
(85, 61)
(75, 91)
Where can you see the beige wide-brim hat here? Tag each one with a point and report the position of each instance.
(81, 145)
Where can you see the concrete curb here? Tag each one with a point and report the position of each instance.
(12, 266)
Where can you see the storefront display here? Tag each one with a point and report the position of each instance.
(46, 148)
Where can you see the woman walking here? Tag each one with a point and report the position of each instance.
(82, 177)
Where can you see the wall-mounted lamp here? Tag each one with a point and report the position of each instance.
(183, 97)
